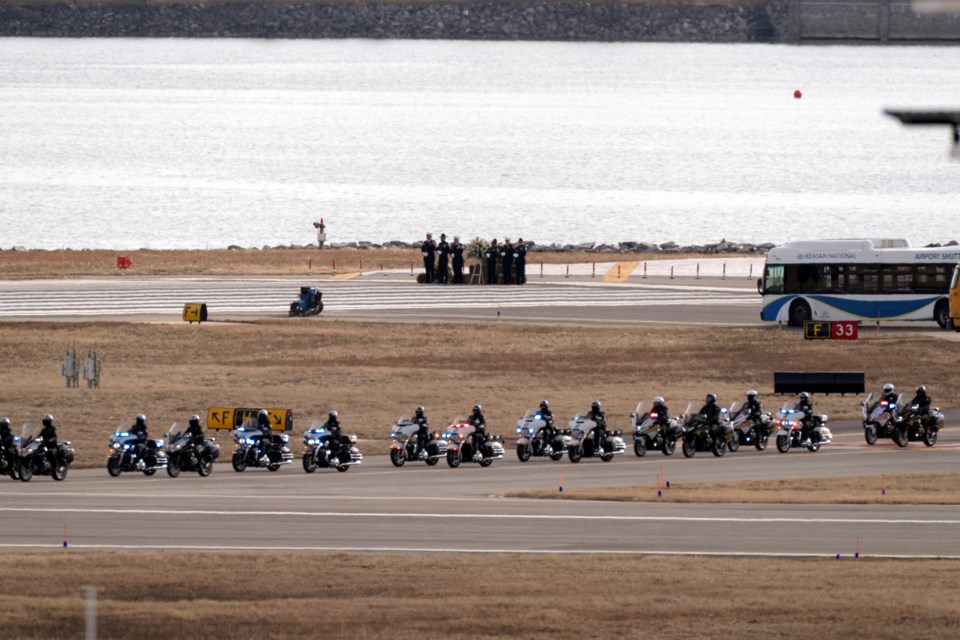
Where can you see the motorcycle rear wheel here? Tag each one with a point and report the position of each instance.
(669, 446)
(870, 435)
(761, 442)
(205, 467)
(556, 455)
(343, 468)
(273, 466)
(59, 471)
(606, 457)
(114, 466)
(688, 448)
(149, 472)
(486, 462)
(575, 453)
(523, 452)
(783, 444)
(453, 459)
(930, 436)
(734, 443)
(239, 462)
(397, 457)
(432, 461)
(640, 446)
(26, 471)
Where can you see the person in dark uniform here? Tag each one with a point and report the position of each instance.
(443, 258)
(491, 255)
(506, 258)
(663, 413)
(195, 432)
(48, 434)
(139, 430)
(457, 250)
(752, 408)
(479, 435)
(549, 432)
(520, 261)
(266, 433)
(804, 407)
(599, 431)
(6, 441)
(710, 414)
(922, 400)
(332, 425)
(429, 251)
(423, 431)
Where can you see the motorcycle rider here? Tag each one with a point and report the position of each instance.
(332, 425)
(600, 430)
(479, 435)
(751, 407)
(710, 414)
(48, 434)
(922, 400)
(266, 435)
(195, 433)
(805, 407)
(663, 413)
(423, 427)
(548, 431)
(139, 430)
(6, 441)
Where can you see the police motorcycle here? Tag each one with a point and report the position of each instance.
(32, 457)
(309, 304)
(321, 449)
(910, 424)
(530, 440)
(247, 453)
(8, 459)
(404, 445)
(124, 455)
(790, 430)
(582, 444)
(878, 418)
(747, 431)
(460, 446)
(183, 455)
(647, 434)
(698, 434)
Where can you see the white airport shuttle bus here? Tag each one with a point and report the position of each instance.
(857, 280)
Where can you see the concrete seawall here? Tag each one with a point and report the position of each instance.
(792, 21)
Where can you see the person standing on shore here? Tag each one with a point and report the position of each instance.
(520, 261)
(443, 253)
(506, 255)
(491, 256)
(457, 249)
(321, 233)
(429, 250)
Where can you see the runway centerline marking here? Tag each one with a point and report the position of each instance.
(476, 516)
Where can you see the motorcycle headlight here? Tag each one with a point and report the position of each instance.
(115, 445)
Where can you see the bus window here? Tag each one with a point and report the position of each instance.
(773, 281)
(864, 278)
(932, 278)
(898, 278)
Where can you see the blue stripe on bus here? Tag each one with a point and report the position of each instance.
(864, 309)
(772, 309)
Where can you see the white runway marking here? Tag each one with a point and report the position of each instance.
(475, 516)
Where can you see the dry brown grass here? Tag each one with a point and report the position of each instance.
(215, 595)
(930, 488)
(373, 373)
(271, 262)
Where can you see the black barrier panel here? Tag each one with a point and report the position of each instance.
(841, 382)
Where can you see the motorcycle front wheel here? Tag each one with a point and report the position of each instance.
(114, 466)
(453, 459)
(900, 436)
(783, 444)
(719, 448)
(523, 452)
(26, 471)
(397, 457)
(575, 453)
(173, 468)
(640, 446)
(239, 462)
(688, 448)
(870, 435)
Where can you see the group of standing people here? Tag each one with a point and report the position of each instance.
(505, 263)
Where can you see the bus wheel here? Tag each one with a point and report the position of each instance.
(941, 313)
(799, 313)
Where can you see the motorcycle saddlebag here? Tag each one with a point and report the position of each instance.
(214, 450)
(67, 453)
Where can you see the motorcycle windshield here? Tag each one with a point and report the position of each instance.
(29, 438)
(174, 433)
(460, 426)
(121, 436)
(403, 427)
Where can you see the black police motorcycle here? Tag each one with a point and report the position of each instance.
(698, 435)
(184, 455)
(248, 453)
(33, 458)
(309, 304)
(125, 455)
(322, 449)
(910, 424)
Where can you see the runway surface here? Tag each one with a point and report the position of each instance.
(418, 508)
(394, 297)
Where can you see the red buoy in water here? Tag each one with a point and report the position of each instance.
(797, 94)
